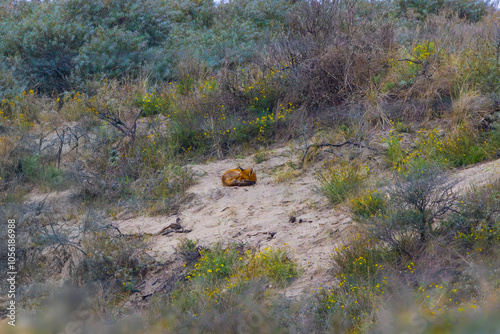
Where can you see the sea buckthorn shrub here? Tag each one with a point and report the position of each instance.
(229, 33)
(417, 199)
(465, 9)
(46, 41)
(115, 52)
(10, 84)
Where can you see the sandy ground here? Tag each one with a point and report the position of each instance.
(478, 175)
(248, 214)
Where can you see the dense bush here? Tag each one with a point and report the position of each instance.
(471, 10)
(44, 40)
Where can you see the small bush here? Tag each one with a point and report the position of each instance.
(396, 155)
(418, 197)
(476, 222)
(216, 263)
(272, 264)
(339, 181)
(359, 268)
(260, 157)
(152, 104)
(188, 250)
(286, 173)
(113, 260)
(368, 205)
(43, 175)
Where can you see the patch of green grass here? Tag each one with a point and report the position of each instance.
(274, 264)
(338, 181)
(460, 147)
(153, 104)
(368, 204)
(260, 157)
(45, 175)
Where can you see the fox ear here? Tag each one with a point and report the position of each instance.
(251, 171)
(240, 169)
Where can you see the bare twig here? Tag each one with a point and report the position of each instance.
(306, 151)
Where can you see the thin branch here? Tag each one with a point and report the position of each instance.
(306, 151)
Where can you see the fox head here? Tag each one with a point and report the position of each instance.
(247, 174)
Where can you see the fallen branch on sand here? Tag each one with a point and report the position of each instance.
(306, 151)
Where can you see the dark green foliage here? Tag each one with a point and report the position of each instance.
(147, 18)
(114, 52)
(53, 46)
(471, 10)
(44, 41)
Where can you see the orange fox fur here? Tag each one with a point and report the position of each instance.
(239, 177)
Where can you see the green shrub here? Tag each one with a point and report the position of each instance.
(418, 197)
(338, 181)
(471, 10)
(273, 264)
(113, 259)
(112, 52)
(367, 205)
(153, 104)
(360, 283)
(476, 220)
(45, 40)
(396, 155)
(188, 250)
(44, 175)
(260, 157)
(216, 263)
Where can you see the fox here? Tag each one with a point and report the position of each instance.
(239, 177)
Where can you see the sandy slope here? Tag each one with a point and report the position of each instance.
(248, 214)
(245, 214)
(477, 176)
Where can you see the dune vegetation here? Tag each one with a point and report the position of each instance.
(109, 103)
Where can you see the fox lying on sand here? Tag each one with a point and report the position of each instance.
(239, 177)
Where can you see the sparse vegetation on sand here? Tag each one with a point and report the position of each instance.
(360, 118)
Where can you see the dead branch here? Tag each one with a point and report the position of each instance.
(306, 151)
